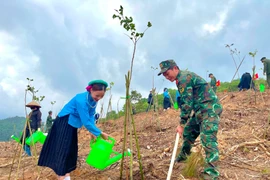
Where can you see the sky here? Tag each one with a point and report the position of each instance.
(63, 45)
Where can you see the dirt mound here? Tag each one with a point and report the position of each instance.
(243, 138)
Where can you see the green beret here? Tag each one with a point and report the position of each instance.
(99, 81)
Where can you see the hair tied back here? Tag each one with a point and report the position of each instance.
(88, 88)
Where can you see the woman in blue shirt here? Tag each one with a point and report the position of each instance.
(60, 149)
(166, 100)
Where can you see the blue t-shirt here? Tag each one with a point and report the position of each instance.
(166, 94)
(81, 110)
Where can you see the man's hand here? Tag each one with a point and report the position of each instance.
(104, 135)
(180, 130)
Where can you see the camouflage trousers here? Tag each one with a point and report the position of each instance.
(268, 80)
(214, 88)
(206, 125)
(48, 127)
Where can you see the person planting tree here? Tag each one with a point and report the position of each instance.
(213, 82)
(266, 69)
(35, 123)
(49, 121)
(196, 96)
(60, 150)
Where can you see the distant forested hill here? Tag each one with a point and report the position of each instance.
(11, 126)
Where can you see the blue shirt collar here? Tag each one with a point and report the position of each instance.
(91, 102)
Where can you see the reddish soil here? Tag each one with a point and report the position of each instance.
(244, 143)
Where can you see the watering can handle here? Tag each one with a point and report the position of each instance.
(111, 139)
(93, 140)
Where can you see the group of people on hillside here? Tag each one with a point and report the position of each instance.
(167, 100)
(200, 116)
(246, 80)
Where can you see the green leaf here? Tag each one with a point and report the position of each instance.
(132, 26)
(137, 34)
(132, 34)
(141, 35)
(149, 24)
(121, 10)
(114, 16)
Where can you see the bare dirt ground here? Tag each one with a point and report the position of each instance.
(244, 143)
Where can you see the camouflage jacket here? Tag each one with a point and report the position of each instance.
(49, 121)
(266, 66)
(195, 93)
(213, 82)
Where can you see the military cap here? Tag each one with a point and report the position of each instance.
(166, 65)
(263, 58)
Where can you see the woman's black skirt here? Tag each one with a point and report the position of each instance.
(60, 150)
(166, 103)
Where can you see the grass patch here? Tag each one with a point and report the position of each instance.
(193, 165)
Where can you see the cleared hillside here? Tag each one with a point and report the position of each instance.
(244, 143)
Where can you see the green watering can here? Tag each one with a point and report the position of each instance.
(37, 136)
(175, 105)
(262, 87)
(101, 150)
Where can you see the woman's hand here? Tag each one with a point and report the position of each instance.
(104, 135)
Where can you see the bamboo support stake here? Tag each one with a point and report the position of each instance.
(137, 146)
(171, 99)
(129, 108)
(125, 126)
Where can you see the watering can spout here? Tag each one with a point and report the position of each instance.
(15, 138)
(37, 136)
(117, 157)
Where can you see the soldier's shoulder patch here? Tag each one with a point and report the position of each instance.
(182, 90)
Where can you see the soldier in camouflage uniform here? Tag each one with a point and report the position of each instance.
(213, 82)
(49, 122)
(197, 96)
(266, 69)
